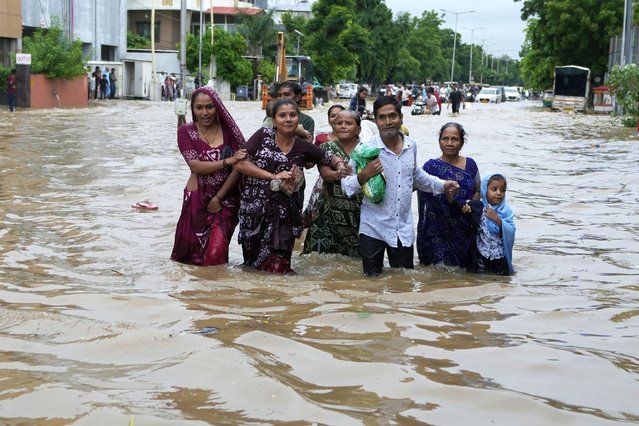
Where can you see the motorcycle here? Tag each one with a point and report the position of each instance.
(419, 108)
(470, 97)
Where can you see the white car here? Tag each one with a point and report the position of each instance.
(347, 90)
(512, 94)
(489, 95)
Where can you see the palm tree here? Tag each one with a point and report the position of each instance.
(259, 32)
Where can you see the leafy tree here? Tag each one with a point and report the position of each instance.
(231, 65)
(424, 41)
(380, 51)
(406, 67)
(624, 85)
(334, 38)
(567, 32)
(259, 32)
(4, 73)
(228, 50)
(53, 55)
(136, 41)
(294, 23)
(266, 69)
(193, 49)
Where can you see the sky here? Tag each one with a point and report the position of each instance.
(503, 29)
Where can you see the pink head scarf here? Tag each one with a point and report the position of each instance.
(232, 133)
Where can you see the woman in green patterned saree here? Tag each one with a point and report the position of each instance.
(334, 218)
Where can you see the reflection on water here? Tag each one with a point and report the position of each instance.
(98, 326)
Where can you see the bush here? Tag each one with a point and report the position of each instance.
(266, 69)
(53, 55)
(4, 73)
(136, 41)
(624, 86)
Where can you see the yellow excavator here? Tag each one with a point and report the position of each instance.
(291, 68)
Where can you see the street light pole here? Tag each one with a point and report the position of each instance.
(452, 68)
(626, 37)
(298, 41)
(470, 68)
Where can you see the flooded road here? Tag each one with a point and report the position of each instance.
(99, 327)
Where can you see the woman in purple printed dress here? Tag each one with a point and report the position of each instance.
(211, 146)
(272, 197)
(445, 236)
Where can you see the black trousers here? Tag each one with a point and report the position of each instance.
(372, 252)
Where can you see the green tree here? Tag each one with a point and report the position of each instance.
(266, 68)
(231, 65)
(53, 55)
(228, 49)
(294, 23)
(425, 41)
(379, 53)
(567, 32)
(4, 73)
(624, 86)
(193, 50)
(334, 39)
(259, 32)
(136, 41)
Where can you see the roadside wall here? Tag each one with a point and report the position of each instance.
(59, 93)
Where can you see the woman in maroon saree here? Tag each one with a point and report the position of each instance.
(211, 146)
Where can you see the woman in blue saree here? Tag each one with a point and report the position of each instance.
(444, 234)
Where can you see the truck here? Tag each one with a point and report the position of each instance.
(571, 88)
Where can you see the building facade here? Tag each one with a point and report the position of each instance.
(10, 29)
(99, 24)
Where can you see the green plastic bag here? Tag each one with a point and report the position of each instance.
(375, 188)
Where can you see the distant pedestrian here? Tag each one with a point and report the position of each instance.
(455, 98)
(12, 89)
(104, 83)
(92, 85)
(114, 79)
(106, 73)
(97, 75)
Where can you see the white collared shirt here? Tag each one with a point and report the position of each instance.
(392, 219)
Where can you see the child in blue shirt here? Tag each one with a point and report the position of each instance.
(496, 228)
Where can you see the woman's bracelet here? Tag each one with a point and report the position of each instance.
(273, 176)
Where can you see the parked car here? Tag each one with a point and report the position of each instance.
(512, 94)
(347, 90)
(489, 95)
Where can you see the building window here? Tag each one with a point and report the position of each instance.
(143, 28)
(7, 46)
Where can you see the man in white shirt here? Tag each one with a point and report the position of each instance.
(388, 225)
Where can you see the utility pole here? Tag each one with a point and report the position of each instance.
(180, 101)
(153, 93)
(626, 43)
(199, 56)
(452, 68)
(470, 68)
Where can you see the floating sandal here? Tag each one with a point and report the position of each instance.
(145, 205)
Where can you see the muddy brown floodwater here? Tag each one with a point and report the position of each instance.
(99, 327)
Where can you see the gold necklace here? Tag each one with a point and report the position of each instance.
(203, 134)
